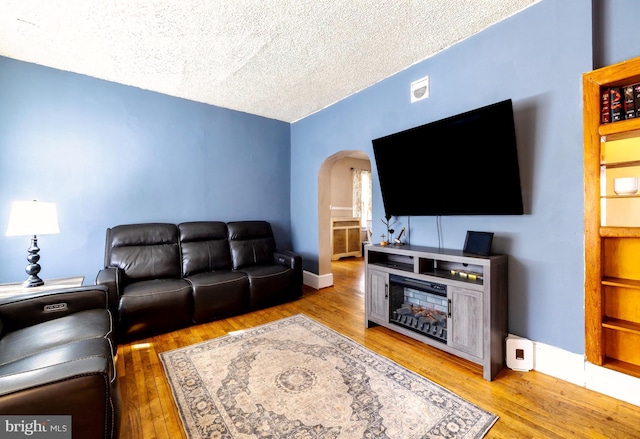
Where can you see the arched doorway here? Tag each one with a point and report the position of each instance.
(335, 198)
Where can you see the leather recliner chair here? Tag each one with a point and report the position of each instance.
(57, 357)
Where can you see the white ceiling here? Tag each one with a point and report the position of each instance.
(282, 59)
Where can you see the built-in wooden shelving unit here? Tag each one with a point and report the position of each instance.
(612, 226)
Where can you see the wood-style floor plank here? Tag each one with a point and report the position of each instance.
(529, 404)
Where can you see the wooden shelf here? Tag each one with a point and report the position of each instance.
(395, 265)
(620, 232)
(473, 278)
(621, 325)
(623, 164)
(620, 127)
(615, 197)
(622, 367)
(624, 283)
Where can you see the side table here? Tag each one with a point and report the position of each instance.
(12, 289)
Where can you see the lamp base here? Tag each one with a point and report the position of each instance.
(33, 268)
(32, 281)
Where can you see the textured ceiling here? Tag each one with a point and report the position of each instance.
(282, 59)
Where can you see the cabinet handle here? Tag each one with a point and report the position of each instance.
(449, 308)
(386, 291)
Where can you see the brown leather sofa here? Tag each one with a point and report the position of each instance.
(57, 351)
(163, 276)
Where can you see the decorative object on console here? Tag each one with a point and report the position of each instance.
(397, 241)
(478, 243)
(32, 218)
(389, 238)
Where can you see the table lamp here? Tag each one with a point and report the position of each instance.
(32, 218)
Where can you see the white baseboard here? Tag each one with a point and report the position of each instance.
(612, 383)
(573, 368)
(559, 363)
(315, 281)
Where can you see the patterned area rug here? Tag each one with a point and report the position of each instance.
(295, 378)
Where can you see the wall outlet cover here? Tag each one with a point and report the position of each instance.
(519, 354)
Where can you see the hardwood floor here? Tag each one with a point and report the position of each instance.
(530, 404)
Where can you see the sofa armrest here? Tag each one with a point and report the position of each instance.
(294, 261)
(80, 388)
(111, 278)
(29, 309)
(288, 258)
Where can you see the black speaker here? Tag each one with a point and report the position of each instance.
(478, 243)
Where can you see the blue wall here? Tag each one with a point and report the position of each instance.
(535, 58)
(615, 27)
(110, 154)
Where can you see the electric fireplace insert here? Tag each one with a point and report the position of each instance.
(420, 306)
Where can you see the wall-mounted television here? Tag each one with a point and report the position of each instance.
(466, 164)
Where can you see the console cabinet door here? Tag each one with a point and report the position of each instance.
(465, 324)
(377, 296)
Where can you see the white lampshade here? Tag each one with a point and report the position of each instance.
(33, 218)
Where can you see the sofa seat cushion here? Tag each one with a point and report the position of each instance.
(218, 294)
(89, 324)
(268, 284)
(154, 306)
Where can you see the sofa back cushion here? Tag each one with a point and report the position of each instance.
(144, 251)
(251, 243)
(204, 247)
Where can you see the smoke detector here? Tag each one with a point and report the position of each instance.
(420, 89)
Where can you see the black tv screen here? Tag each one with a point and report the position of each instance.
(462, 165)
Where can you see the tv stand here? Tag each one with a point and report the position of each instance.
(448, 299)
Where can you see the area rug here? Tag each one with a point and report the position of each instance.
(296, 378)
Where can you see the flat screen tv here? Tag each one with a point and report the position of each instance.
(462, 165)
